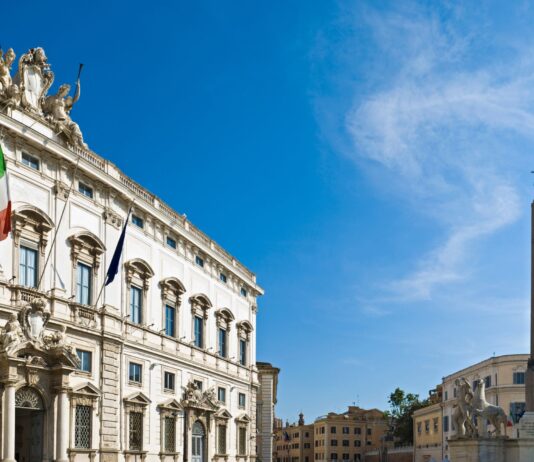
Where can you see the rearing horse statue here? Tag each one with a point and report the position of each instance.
(482, 408)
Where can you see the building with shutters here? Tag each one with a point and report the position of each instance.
(157, 366)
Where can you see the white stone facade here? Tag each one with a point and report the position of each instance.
(116, 410)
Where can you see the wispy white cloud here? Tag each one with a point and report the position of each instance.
(438, 126)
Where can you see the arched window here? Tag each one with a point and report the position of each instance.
(85, 251)
(224, 322)
(31, 228)
(200, 305)
(138, 274)
(171, 292)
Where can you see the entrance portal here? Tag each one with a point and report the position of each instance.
(198, 442)
(29, 416)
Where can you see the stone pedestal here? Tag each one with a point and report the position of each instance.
(477, 450)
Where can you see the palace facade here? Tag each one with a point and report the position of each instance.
(160, 365)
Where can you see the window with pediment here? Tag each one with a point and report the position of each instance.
(169, 412)
(224, 319)
(84, 404)
(200, 305)
(244, 333)
(222, 417)
(135, 407)
(85, 253)
(242, 424)
(138, 275)
(171, 292)
(31, 232)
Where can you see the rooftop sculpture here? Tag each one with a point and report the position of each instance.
(28, 91)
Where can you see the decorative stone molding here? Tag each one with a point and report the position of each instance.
(112, 218)
(200, 304)
(171, 290)
(61, 190)
(32, 224)
(224, 318)
(244, 329)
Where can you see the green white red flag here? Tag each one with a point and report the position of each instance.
(5, 202)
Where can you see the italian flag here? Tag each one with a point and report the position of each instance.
(5, 202)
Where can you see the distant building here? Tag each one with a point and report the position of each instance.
(266, 400)
(334, 437)
(428, 430)
(428, 435)
(505, 387)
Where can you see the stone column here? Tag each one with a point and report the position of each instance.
(9, 422)
(63, 429)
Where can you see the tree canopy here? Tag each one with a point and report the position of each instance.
(402, 406)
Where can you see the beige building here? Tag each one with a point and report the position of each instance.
(334, 437)
(505, 387)
(294, 443)
(428, 433)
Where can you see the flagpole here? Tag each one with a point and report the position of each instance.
(58, 225)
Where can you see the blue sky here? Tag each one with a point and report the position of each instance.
(368, 160)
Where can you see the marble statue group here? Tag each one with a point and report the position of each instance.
(28, 89)
(472, 406)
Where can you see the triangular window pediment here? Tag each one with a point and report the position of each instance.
(170, 405)
(87, 389)
(223, 414)
(243, 418)
(138, 398)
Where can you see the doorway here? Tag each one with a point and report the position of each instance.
(29, 418)
(198, 440)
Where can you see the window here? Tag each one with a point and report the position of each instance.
(516, 411)
(223, 277)
(427, 426)
(83, 284)
(418, 428)
(345, 442)
(171, 242)
(357, 443)
(345, 456)
(454, 392)
(136, 304)
(85, 190)
(199, 261)
(170, 320)
(169, 378)
(357, 431)
(198, 384)
(199, 327)
(169, 423)
(30, 161)
(446, 423)
(446, 395)
(519, 378)
(138, 221)
(369, 431)
(86, 360)
(333, 430)
(28, 267)
(487, 381)
(333, 442)
(222, 343)
(135, 428)
(221, 394)
(135, 373)
(82, 427)
(242, 446)
(243, 292)
(242, 400)
(435, 421)
(345, 430)
(333, 456)
(221, 438)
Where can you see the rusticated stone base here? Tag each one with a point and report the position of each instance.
(491, 450)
